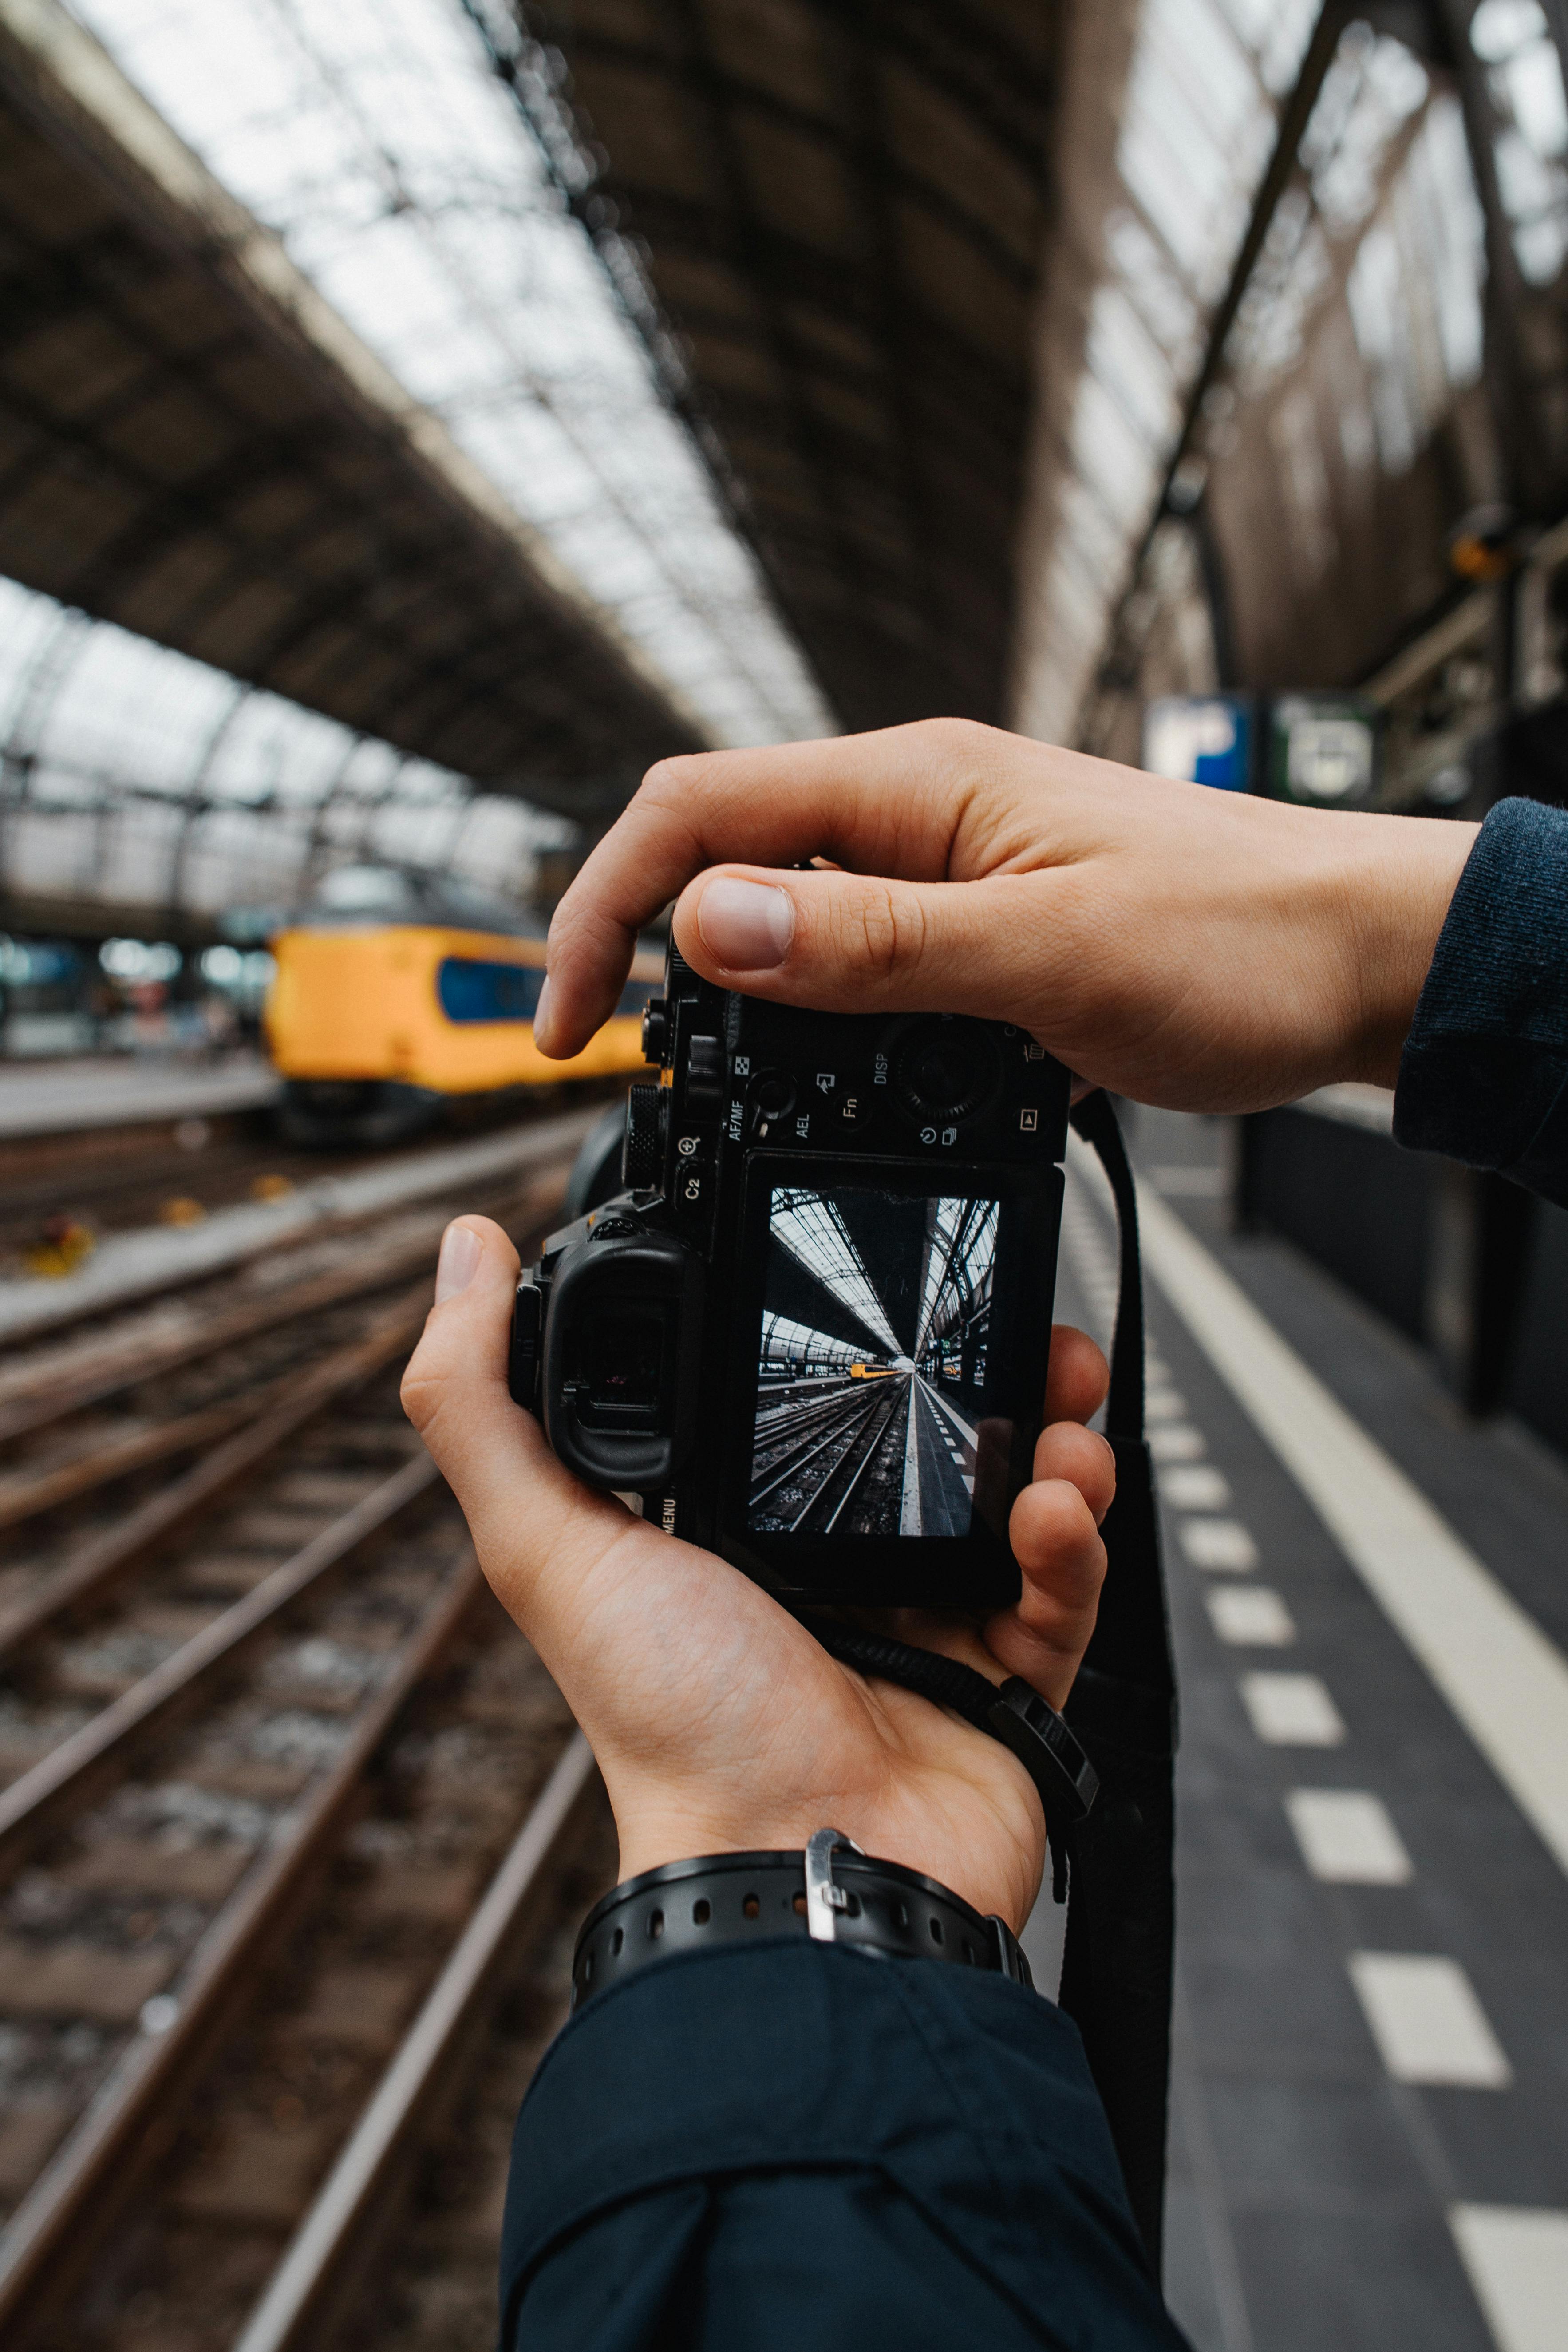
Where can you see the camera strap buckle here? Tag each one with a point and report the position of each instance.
(823, 1900)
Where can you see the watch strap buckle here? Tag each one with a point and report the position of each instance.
(824, 1899)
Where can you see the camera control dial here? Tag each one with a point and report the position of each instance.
(656, 1029)
(947, 1070)
(705, 1077)
(642, 1162)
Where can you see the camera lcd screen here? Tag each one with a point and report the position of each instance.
(871, 1365)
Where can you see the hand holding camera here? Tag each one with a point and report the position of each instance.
(1207, 951)
(718, 1721)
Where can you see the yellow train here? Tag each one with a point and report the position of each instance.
(870, 1372)
(375, 1027)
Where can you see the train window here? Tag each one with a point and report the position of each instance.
(471, 991)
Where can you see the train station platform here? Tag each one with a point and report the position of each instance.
(69, 1097)
(1369, 1603)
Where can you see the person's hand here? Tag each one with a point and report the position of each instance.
(719, 1723)
(1202, 950)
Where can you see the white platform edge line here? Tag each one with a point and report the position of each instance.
(1504, 1679)
(1517, 2261)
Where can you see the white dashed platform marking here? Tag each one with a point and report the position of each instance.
(1517, 2257)
(1195, 1486)
(1221, 1544)
(1292, 1710)
(1347, 1838)
(1504, 1680)
(1250, 1615)
(1181, 1442)
(1426, 2021)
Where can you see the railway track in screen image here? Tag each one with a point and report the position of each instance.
(872, 1364)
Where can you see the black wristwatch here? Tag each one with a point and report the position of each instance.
(831, 1893)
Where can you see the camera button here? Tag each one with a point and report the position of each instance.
(773, 1099)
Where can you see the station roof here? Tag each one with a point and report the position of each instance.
(196, 447)
(415, 403)
(844, 212)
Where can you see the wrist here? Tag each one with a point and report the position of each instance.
(1404, 871)
(827, 1891)
(1001, 1876)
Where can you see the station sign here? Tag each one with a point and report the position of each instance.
(1201, 739)
(1322, 750)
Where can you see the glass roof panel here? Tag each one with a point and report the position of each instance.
(374, 139)
(1385, 207)
(129, 775)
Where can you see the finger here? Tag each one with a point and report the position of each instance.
(1067, 1450)
(1057, 1545)
(900, 801)
(533, 1526)
(841, 942)
(1054, 1533)
(1078, 1381)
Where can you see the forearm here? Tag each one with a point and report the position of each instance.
(1484, 1074)
(788, 2141)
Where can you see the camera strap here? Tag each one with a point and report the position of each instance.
(1104, 1768)
(1122, 1917)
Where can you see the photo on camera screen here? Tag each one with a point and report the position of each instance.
(871, 1368)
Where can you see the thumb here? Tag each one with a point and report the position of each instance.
(530, 1521)
(854, 943)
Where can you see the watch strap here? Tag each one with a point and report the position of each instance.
(831, 1892)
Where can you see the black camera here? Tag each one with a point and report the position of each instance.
(812, 1331)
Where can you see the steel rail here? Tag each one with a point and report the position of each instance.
(877, 1440)
(74, 1771)
(104, 1558)
(132, 1362)
(28, 1494)
(361, 2194)
(136, 2113)
(52, 1400)
(787, 1418)
(797, 1460)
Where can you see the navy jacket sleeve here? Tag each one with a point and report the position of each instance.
(1484, 1075)
(783, 2145)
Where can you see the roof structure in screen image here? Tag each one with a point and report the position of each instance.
(872, 1363)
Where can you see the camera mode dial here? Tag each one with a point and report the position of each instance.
(947, 1070)
(642, 1160)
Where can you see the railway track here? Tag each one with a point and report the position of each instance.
(327, 2006)
(206, 1691)
(120, 1181)
(808, 1477)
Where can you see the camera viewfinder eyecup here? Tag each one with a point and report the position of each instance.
(620, 1355)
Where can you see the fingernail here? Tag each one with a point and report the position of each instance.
(459, 1262)
(746, 926)
(541, 1009)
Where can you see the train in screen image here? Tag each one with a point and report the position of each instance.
(395, 997)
